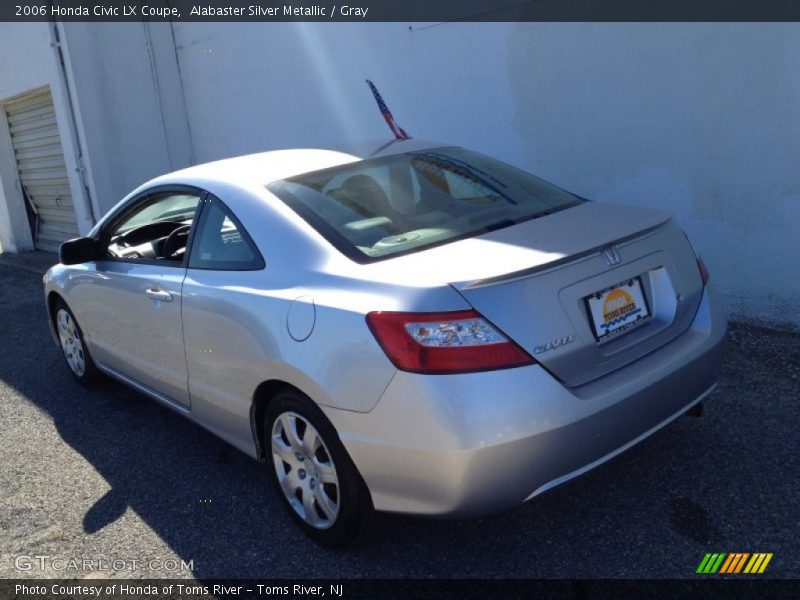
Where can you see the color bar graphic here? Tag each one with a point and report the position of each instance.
(734, 562)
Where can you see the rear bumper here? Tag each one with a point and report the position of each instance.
(472, 444)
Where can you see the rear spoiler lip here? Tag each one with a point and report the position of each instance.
(554, 264)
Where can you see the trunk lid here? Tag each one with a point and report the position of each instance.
(534, 283)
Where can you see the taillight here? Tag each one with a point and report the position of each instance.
(447, 342)
(703, 270)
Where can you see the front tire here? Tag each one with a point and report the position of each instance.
(316, 479)
(73, 346)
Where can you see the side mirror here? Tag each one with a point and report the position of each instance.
(79, 250)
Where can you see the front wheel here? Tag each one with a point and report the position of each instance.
(317, 480)
(73, 346)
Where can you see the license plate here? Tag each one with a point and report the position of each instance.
(618, 309)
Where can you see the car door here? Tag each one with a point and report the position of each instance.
(224, 311)
(131, 301)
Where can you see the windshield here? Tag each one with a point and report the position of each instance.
(404, 203)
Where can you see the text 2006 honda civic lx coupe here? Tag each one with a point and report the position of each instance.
(418, 329)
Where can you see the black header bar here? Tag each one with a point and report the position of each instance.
(411, 11)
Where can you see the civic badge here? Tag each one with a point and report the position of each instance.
(554, 344)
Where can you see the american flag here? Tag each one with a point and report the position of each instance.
(398, 131)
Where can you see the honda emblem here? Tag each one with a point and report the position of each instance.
(611, 256)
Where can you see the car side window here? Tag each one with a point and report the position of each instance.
(221, 243)
(157, 229)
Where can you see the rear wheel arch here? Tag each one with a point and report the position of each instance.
(263, 395)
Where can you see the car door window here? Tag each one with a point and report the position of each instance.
(221, 243)
(157, 229)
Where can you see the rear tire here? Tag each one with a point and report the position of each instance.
(316, 479)
(73, 346)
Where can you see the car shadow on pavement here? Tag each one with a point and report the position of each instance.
(217, 508)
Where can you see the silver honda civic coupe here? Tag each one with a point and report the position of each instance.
(409, 327)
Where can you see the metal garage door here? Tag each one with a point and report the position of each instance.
(42, 172)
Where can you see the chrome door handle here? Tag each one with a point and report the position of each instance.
(159, 295)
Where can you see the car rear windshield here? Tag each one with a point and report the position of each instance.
(404, 203)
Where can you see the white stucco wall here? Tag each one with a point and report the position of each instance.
(701, 119)
(127, 95)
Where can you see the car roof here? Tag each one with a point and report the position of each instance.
(264, 167)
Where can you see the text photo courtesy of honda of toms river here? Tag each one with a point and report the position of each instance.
(408, 327)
